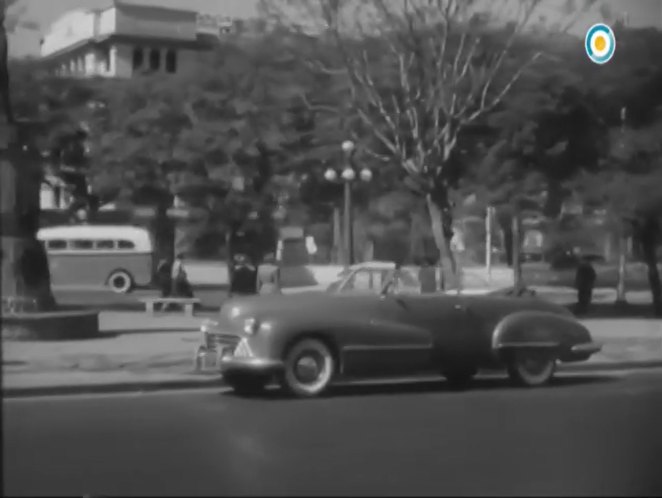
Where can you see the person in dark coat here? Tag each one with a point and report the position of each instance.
(584, 282)
(244, 277)
(427, 276)
(164, 277)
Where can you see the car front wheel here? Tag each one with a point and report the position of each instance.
(531, 368)
(309, 368)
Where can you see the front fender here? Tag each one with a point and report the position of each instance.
(542, 330)
(284, 330)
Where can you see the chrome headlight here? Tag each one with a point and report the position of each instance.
(252, 326)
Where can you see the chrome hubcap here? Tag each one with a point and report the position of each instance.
(119, 282)
(535, 365)
(307, 369)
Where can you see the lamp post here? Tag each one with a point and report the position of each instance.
(347, 176)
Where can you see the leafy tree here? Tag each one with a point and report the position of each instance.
(545, 134)
(25, 273)
(238, 114)
(417, 75)
(626, 183)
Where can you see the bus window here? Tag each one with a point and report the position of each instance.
(82, 244)
(105, 244)
(126, 244)
(56, 244)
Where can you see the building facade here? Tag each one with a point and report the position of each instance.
(126, 38)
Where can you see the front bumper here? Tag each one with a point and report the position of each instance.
(581, 352)
(256, 366)
(586, 348)
(234, 355)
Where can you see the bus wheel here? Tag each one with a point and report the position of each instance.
(120, 282)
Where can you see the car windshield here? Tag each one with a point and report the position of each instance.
(403, 281)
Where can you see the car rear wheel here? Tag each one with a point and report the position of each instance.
(309, 368)
(247, 385)
(120, 282)
(459, 377)
(531, 368)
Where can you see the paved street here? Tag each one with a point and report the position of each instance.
(587, 435)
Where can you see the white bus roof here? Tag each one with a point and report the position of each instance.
(140, 236)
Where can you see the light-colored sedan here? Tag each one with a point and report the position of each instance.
(371, 275)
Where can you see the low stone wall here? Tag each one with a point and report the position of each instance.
(50, 326)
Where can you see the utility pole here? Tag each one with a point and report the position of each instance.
(489, 218)
(622, 240)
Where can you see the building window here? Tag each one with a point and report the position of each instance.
(105, 244)
(171, 61)
(58, 245)
(138, 58)
(155, 59)
(105, 60)
(82, 244)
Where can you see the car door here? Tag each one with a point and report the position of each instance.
(450, 322)
(397, 344)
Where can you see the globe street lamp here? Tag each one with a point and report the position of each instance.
(347, 176)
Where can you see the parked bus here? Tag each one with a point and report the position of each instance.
(119, 257)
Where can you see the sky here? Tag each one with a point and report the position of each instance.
(24, 42)
(43, 12)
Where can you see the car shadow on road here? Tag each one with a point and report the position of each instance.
(414, 387)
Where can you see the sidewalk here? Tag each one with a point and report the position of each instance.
(144, 360)
(138, 321)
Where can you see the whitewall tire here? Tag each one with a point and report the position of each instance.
(531, 368)
(120, 282)
(309, 368)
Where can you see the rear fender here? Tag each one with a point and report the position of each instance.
(536, 329)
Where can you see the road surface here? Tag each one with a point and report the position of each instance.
(586, 435)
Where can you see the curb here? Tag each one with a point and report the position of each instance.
(110, 388)
(173, 385)
(610, 366)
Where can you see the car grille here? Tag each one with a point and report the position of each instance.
(243, 350)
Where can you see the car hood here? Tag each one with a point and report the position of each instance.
(281, 304)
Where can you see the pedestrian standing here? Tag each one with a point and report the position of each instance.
(244, 277)
(584, 283)
(268, 275)
(164, 278)
(180, 284)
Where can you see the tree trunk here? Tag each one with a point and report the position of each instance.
(622, 260)
(26, 282)
(649, 241)
(517, 251)
(447, 261)
(337, 244)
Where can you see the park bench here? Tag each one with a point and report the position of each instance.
(186, 303)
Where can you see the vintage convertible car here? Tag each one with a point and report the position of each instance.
(310, 340)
